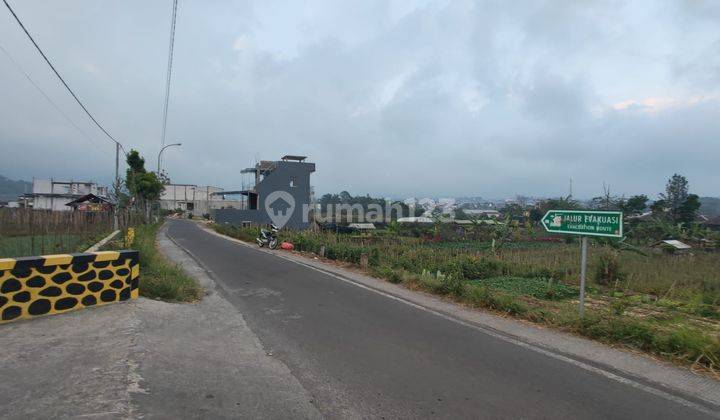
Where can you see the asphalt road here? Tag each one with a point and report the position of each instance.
(362, 354)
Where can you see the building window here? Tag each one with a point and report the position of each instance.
(293, 182)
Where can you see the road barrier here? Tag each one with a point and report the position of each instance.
(51, 284)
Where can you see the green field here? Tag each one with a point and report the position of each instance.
(62, 243)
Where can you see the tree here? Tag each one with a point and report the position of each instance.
(688, 210)
(144, 186)
(658, 207)
(345, 197)
(605, 202)
(676, 193)
(635, 204)
(513, 210)
(461, 215)
(563, 203)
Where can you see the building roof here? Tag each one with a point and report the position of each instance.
(362, 226)
(294, 157)
(414, 220)
(673, 243)
(88, 198)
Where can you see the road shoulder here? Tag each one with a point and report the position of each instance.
(635, 369)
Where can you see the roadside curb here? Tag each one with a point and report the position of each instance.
(103, 241)
(637, 370)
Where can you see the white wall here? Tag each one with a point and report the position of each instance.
(52, 203)
(177, 196)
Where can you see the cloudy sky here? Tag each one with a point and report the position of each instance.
(400, 98)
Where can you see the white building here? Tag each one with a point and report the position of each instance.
(198, 200)
(49, 194)
(482, 212)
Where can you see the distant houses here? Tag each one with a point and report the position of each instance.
(195, 199)
(51, 194)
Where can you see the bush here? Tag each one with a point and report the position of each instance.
(483, 296)
(472, 268)
(608, 267)
(387, 273)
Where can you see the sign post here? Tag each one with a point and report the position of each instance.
(585, 223)
(583, 272)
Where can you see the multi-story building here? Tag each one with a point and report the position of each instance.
(49, 194)
(281, 195)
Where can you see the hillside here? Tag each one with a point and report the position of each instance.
(710, 206)
(10, 189)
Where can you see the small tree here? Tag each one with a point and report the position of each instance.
(688, 210)
(145, 187)
(606, 201)
(635, 204)
(676, 192)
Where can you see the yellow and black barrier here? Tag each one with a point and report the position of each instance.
(51, 284)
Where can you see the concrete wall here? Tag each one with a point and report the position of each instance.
(52, 284)
(52, 203)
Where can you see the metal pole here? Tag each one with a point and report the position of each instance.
(583, 271)
(117, 186)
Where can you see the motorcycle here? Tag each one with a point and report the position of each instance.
(268, 237)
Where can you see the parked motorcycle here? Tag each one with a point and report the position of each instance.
(268, 237)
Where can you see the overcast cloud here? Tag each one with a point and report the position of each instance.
(432, 98)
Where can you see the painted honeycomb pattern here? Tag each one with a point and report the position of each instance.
(54, 284)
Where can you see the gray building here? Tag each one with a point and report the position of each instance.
(281, 194)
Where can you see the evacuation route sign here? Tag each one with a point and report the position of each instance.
(582, 222)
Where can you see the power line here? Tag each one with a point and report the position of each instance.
(42, 92)
(58, 74)
(169, 69)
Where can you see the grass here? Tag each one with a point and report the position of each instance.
(661, 304)
(159, 278)
(61, 243)
(536, 287)
(685, 344)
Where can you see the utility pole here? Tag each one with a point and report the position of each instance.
(117, 186)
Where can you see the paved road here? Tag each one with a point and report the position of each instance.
(361, 354)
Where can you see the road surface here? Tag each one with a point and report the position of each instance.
(361, 354)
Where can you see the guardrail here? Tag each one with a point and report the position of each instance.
(51, 284)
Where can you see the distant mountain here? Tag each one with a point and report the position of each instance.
(710, 206)
(11, 189)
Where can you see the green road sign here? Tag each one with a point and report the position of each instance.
(582, 222)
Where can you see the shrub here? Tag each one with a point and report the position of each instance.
(472, 268)
(387, 273)
(374, 257)
(450, 284)
(608, 267)
(483, 296)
